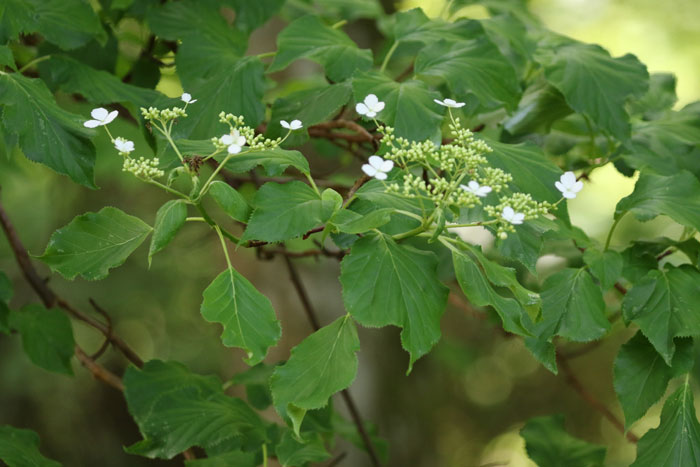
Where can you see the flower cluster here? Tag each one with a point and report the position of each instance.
(241, 135)
(143, 168)
(163, 116)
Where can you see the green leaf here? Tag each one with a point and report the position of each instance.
(284, 211)
(540, 106)
(410, 108)
(321, 365)
(237, 89)
(352, 9)
(525, 245)
(252, 15)
(47, 133)
(549, 445)
(169, 220)
(347, 221)
(6, 57)
(227, 459)
(291, 452)
(176, 409)
(677, 196)
(274, 161)
(93, 243)
(664, 305)
(478, 287)
(97, 86)
(385, 283)
(641, 375)
(574, 305)
(231, 201)
(20, 448)
(311, 106)
(257, 384)
(660, 97)
(593, 83)
(414, 26)
(606, 266)
(66, 23)
(474, 65)
(47, 337)
(676, 441)
(247, 316)
(308, 37)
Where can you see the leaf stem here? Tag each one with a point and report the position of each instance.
(264, 453)
(34, 62)
(223, 245)
(410, 233)
(388, 55)
(612, 229)
(339, 24)
(267, 54)
(168, 189)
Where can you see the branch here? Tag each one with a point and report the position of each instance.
(313, 319)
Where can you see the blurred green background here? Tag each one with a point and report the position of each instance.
(462, 405)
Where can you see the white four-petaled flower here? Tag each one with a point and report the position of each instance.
(293, 125)
(187, 98)
(378, 167)
(101, 117)
(234, 141)
(474, 187)
(370, 107)
(568, 185)
(123, 145)
(450, 103)
(511, 216)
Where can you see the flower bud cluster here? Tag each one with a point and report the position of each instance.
(520, 203)
(253, 141)
(164, 115)
(143, 168)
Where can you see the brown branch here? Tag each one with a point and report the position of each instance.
(575, 383)
(352, 408)
(337, 460)
(98, 371)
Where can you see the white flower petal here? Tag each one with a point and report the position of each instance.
(369, 170)
(361, 109)
(371, 100)
(112, 115)
(239, 141)
(387, 166)
(440, 102)
(99, 113)
(568, 179)
(560, 186)
(371, 114)
(226, 139)
(376, 162)
(285, 124)
(518, 218)
(473, 184)
(92, 123)
(296, 124)
(450, 102)
(578, 186)
(457, 105)
(378, 107)
(234, 149)
(380, 176)
(569, 194)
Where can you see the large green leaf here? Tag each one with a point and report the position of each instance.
(6, 58)
(176, 409)
(247, 316)
(238, 458)
(237, 88)
(308, 37)
(169, 220)
(291, 451)
(274, 161)
(93, 243)
(641, 375)
(414, 26)
(385, 283)
(606, 266)
(574, 305)
(474, 65)
(321, 365)
(97, 86)
(251, 15)
(676, 441)
(664, 305)
(284, 211)
(594, 83)
(478, 278)
(660, 97)
(410, 108)
(549, 445)
(677, 196)
(47, 337)
(46, 133)
(66, 23)
(352, 9)
(20, 448)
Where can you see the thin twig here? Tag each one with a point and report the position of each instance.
(337, 460)
(575, 383)
(98, 371)
(352, 408)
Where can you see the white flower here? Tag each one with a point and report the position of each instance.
(234, 141)
(568, 185)
(511, 216)
(450, 103)
(473, 187)
(370, 107)
(294, 125)
(101, 117)
(187, 98)
(123, 145)
(377, 167)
